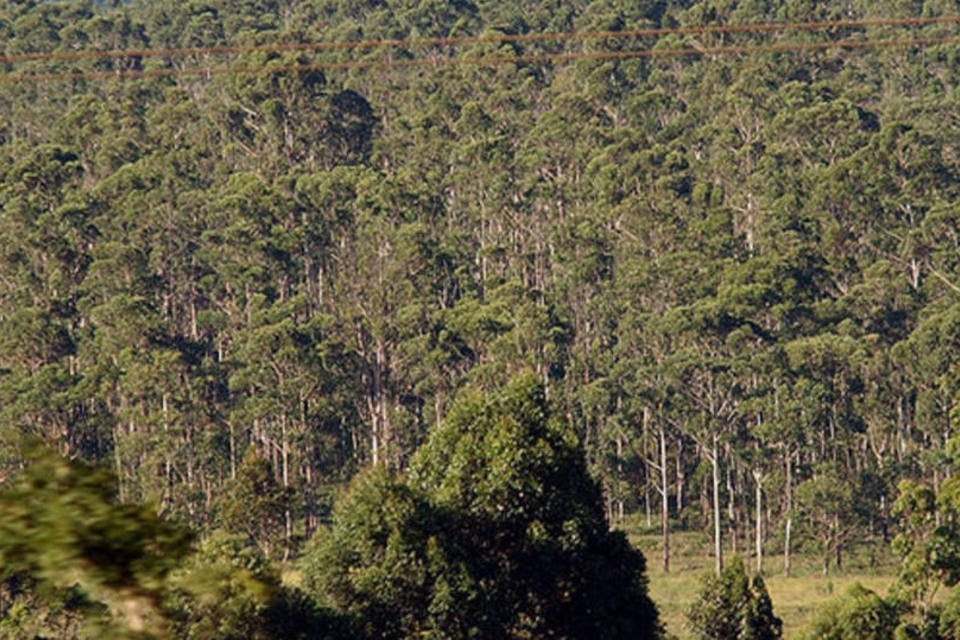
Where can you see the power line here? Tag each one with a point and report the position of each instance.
(761, 27)
(482, 60)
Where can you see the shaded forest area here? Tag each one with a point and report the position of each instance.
(736, 277)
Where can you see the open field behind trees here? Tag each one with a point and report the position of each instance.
(796, 599)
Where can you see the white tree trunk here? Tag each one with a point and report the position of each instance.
(717, 538)
(665, 502)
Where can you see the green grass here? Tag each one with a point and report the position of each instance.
(795, 599)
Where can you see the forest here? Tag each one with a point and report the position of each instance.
(392, 318)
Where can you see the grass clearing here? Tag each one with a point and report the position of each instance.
(796, 599)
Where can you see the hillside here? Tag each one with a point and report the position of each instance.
(284, 236)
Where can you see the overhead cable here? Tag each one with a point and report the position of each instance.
(560, 36)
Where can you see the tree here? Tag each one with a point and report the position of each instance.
(759, 622)
(732, 606)
(827, 502)
(928, 547)
(514, 468)
(255, 504)
(860, 614)
(227, 590)
(374, 564)
(74, 562)
(498, 533)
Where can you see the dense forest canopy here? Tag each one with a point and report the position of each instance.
(735, 274)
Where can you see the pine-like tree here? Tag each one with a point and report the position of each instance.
(731, 606)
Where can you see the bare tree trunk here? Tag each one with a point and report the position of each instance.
(233, 450)
(837, 560)
(374, 411)
(285, 476)
(646, 468)
(704, 502)
(788, 488)
(665, 502)
(758, 479)
(310, 522)
(619, 496)
(717, 539)
(936, 490)
(731, 509)
(382, 428)
(118, 463)
(167, 498)
(680, 475)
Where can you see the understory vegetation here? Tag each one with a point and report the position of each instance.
(407, 297)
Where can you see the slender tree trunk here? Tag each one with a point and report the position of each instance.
(383, 437)
(936, 491)
(731, 509)
(233, 451)
(837, 551)
(646, 467)
(118, 463)
(665, 502)
(749, 544)
(619, 497)
(788, 488)
(758, 480)
(680, 476)
(285, 475)
(167, 498)
(901, 445)
(374, 430)
(717, 539)
(705, 505)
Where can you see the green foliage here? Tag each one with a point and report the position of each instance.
(928, 547)
(533, 517)
(67, 544)
(859, 614)
(255, 505)
(751, 260)
(223, 590)
(498, 533)
(373, 563)
(828, 503)
(759, 622)
(732, 606)
(74, 562)
(228, 591)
